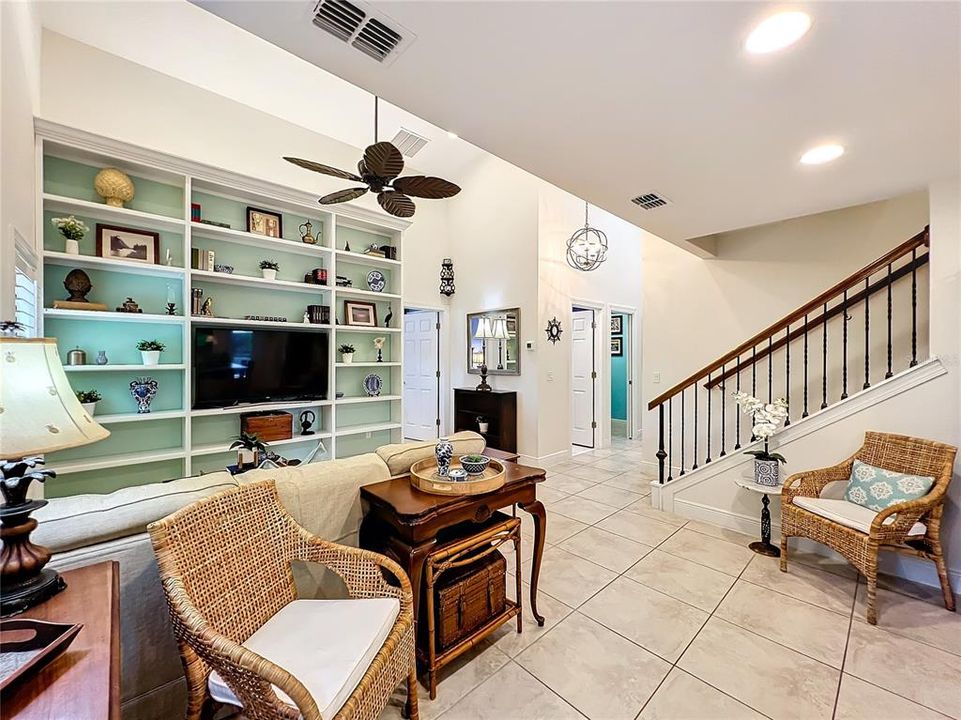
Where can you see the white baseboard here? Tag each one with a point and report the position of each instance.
(545, 460)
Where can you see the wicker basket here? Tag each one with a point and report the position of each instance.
(470, 596)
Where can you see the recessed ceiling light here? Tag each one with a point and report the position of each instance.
(778, 32)
(822, 154)
(452, 135)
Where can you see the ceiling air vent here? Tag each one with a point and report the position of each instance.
(408, 143)
(355, 23)
(650, 201)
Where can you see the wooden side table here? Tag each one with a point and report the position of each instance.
(764, 547)
(84, 680)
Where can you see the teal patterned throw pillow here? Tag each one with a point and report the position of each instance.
(877, 488)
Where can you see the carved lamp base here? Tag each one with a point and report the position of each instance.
(24, 582)
(483, 386)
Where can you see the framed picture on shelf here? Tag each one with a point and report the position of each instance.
(617, 324)
(360, 314)
(264, 222)
(617, 347)
(123, 243)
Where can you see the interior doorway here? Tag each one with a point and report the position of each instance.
(622, 374)
(583, 377)
(422, 398)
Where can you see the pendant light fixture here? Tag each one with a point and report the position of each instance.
(587, 248)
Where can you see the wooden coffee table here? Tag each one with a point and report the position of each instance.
(404, 523)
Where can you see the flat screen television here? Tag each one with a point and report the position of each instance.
(232, 366)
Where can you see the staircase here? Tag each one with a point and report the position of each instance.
(859, 333)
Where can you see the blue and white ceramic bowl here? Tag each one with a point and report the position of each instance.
(457, 474)
(474, 464)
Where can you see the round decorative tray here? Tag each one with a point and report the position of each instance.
(423, 476)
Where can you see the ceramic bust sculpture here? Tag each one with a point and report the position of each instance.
(114, 186)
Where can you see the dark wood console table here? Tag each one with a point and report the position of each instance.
(83, 681)
(404, 523)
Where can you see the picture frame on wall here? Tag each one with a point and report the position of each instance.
(360, 314)
(617, 324)
(617, 347)
(131, 244)
(264, 222)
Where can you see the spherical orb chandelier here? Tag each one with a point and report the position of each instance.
(587, 248)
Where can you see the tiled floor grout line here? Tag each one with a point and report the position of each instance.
(847, 642)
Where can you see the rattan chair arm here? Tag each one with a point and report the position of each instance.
(811, 483)
(906, 513)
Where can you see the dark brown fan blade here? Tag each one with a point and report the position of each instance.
(424, 186)
(323, 169)
(383, 160)
(396, 203)
(342, 196)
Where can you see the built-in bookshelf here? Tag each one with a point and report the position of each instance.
(173, 440)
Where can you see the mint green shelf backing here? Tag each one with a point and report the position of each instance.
(126, 438)
(363, 414)
(236, 301)
(75, 180)
(113, 288)
(358, 276)
(53, 240)
(350, 381)
(217, 429)
(119, 339)
(349, 445)
(363, 343)
(106, 481)
(383, 306)
(246, 260)
(234, 212)
(115, 388)
(359, 239)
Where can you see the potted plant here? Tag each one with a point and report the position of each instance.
(150, 351)
(767, 419)
(269, 268)
(483, 424)
(88, 400)
(72, 230)
(249, 448)
(346, 353)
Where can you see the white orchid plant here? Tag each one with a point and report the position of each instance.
(767, 417)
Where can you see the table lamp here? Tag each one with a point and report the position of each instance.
(500, 334)
(484, 332)
(39, 413)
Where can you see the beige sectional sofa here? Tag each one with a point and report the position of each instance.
(324, 497)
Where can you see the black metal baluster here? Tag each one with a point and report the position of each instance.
(914, 308)
(867, 334)
(824, 360)
(770, 369)
(737, 413)
(708, 419)
(660, 454)
(844, 345)
(670, 438)
(805, 413)
(694, 388)
(787, 373)
(683, 435)
(754, 371)
(723, 412)
(889, 372)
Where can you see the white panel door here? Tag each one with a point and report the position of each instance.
(582, 382)
(420, 375)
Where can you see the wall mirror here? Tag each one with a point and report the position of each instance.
(494, 336)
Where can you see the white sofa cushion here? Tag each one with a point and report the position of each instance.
(326, 644)
(856, 517)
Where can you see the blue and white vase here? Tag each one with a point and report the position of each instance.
(444, 452)
(102, 358)
(143, 389)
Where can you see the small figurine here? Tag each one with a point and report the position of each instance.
(390, 315)
(306, 318)
(307, 418)
(207, 309)
(129, 306)
(379, 344)
(77, 283)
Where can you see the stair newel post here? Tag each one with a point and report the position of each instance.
(824, 358)
(683, 434)
(670, 438)
(737, 415)
(723, 412)
(914, 308)
(694, 390)
(661, 454)
(889, 372)
(867, 333)
(844, 345)
(787, 372)
(805, 413)
(708, 387)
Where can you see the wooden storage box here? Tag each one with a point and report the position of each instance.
(268, 426)
(470, 596)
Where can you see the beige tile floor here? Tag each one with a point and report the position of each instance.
(652, 617)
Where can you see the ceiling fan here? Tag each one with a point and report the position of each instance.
(378, 170)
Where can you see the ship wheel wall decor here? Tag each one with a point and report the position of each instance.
(378, 170)
(554, 330)
(587, 248)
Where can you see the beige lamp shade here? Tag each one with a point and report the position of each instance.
(39, 412)
(500, 329)
(485, 329)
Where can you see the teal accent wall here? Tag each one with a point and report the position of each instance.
(234, 213)
(619, 379)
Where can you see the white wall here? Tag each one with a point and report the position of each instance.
(19, 100)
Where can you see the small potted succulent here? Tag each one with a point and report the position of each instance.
(150, 351)
(249, 449)
(88, 400)
(269, 268)
(346, 353)
(767, 419)
(482, 424)
(72, 230)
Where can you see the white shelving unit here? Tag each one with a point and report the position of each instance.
(187, 177)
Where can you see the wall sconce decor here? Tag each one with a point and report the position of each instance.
(554, 330)
(447, 277)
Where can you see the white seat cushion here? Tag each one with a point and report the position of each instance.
(856, 517)
(326, 644)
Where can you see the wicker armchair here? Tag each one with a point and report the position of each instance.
(894, 528)
(225, 564)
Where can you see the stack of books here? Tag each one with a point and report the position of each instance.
(201, 259)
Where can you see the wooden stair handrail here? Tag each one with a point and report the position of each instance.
(922, 238)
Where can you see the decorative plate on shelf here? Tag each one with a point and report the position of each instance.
(372, 385)
(376, 281)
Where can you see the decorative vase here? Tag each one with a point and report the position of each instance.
(483, 426)
(143, 389)
(444, 452)
(90, 408)
(101, 358)
(150, 357)
(269, 274)
(114, 186)
(348, 358)
(71, 247)
(767, 472)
